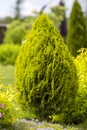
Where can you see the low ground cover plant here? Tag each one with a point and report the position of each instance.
(7, 109)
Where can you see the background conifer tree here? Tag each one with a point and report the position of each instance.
(76, 30)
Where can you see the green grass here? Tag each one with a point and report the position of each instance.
(6, 74)
(6, 78)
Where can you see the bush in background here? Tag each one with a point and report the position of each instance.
(45, 73)
(8, 53)
(17, 30)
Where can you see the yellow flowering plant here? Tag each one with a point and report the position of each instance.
(7, 105)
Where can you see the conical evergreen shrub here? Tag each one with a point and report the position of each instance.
(77, 29)
(45, 73)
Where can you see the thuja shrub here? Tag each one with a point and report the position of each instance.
(45, 73)
(80, 112)
(8, 53)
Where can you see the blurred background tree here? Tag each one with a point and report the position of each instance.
(18, 8)
(85, 4)
(63, 25)
(6, 20)
(77, 29)
(17, 30)
(57, 14)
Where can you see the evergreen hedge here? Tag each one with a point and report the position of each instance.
(45, 73)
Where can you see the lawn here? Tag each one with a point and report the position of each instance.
(6, 78)
(7, 74)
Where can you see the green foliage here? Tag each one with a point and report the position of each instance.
(76, 33)
(45, 72)
(86, 31)
(14, 33)
(80, 114)
(17, 30)
(6, 20)
(8, 112)
(57, 14)
(8, 53)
